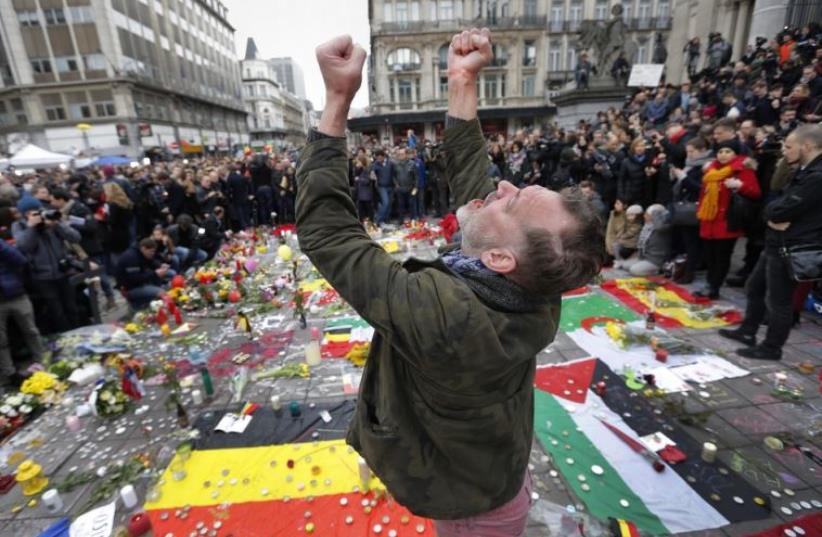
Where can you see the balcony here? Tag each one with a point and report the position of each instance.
(410, 27)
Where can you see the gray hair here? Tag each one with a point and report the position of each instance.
(811, 134)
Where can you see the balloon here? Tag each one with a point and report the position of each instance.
(234, 296)
(284, 252)
(178, 282)
(250, 264)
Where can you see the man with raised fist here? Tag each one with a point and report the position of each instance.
(445, 414)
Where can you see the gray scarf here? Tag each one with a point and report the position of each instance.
(492, 288)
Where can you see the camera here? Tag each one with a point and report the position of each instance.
(51, 214)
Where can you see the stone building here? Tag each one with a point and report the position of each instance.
(290, 75)
(133, 74)
(535, 49)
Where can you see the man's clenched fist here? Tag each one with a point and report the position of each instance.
(341, 64)
(469, 52)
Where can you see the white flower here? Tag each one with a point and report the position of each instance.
(12, 413)
(26, 409)
(14, 400)
(5, 409)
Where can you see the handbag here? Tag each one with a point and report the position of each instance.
(742, 212)
(683, 213)
(804, 262)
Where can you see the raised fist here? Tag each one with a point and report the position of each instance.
(469, 52)
(341, 64)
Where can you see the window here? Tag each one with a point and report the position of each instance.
(627, 9)
(94, 62)
(388, 12)
(401, 12)
(576, 11)
(663, 10)
(529, 53)
(79, 111)
(28, 18)
(528, 83)
(442, 55)
(415, 11)
(80, 14)
(644, 10)
(443, 87)
(66, 64)
(530, 9)
(446, 10)
(555, 56)
(557, 15)
(54, 16)
(405, 92)
(601, 10)
(41, 66)
(105, 109)
(55, 113)
(494, 86)
(500, 55)
(404, 59)
(571, 58)
(642, 51)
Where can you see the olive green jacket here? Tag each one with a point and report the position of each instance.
(445, 416)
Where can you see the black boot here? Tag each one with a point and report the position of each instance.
(761, 352)
(708, 292)
(740, 335)
(737, 281)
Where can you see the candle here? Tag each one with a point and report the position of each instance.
(139, 524)
(197, 397)
(52, 500)
(294, 408)
(365, 474)
(129, 496)
(73, 423)
(275, 402)
(709, 452)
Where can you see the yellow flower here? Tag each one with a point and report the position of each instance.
(358, 354)
(184, 298)
(39, 382)
(132, 328)
(615, 332)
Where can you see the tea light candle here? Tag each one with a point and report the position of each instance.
(709, 452)
(52, 500)
(275, 402)
(197, 397)
(73, 423)
(129, 496)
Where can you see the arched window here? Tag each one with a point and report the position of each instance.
(404, 59)
(442, 55)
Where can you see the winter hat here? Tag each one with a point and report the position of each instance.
(634, 209)
(733, 145)
(567, 155)
(108, 170)
(28, 203)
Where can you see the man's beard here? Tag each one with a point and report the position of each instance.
(473, 238)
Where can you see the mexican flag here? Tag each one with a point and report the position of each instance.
(614, 481)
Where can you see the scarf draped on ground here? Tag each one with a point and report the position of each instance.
(493, 288)
(712, 182)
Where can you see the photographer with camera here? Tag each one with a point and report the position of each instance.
(42, 238)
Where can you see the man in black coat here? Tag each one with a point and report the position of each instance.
(794, 219)
(141, 275)
(240, 193)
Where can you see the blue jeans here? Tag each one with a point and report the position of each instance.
(405, 205)
(386, 193)
(188, 258)
(141, 297)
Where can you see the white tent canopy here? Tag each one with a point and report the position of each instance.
(32, 156)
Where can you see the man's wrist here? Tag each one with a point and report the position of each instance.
(334, 118)
(462, 95)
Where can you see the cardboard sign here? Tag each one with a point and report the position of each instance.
(96, 523)
(645, 75)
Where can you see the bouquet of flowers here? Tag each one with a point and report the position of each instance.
(42, 384)
(110, 400)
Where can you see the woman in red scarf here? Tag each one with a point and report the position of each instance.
(730, 172)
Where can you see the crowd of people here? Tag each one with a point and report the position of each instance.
(678, 174)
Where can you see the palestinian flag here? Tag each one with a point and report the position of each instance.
(675, 308)
(282, 477)
(574, 424)
(806, 526)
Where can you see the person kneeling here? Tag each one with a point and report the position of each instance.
(654, 243)
(141, 275)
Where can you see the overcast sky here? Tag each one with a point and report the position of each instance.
(294, 28)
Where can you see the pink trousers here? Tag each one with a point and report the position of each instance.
(508, 520)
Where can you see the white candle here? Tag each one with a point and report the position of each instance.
(52, 500)
(365, 474)
(275, 402)
(197, 397)
(129, 496)
(709, 452)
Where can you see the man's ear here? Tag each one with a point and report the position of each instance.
(500, 260)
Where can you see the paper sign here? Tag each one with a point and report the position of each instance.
(351, 384)
(96, 523)
(645, 74)
(656, 441)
